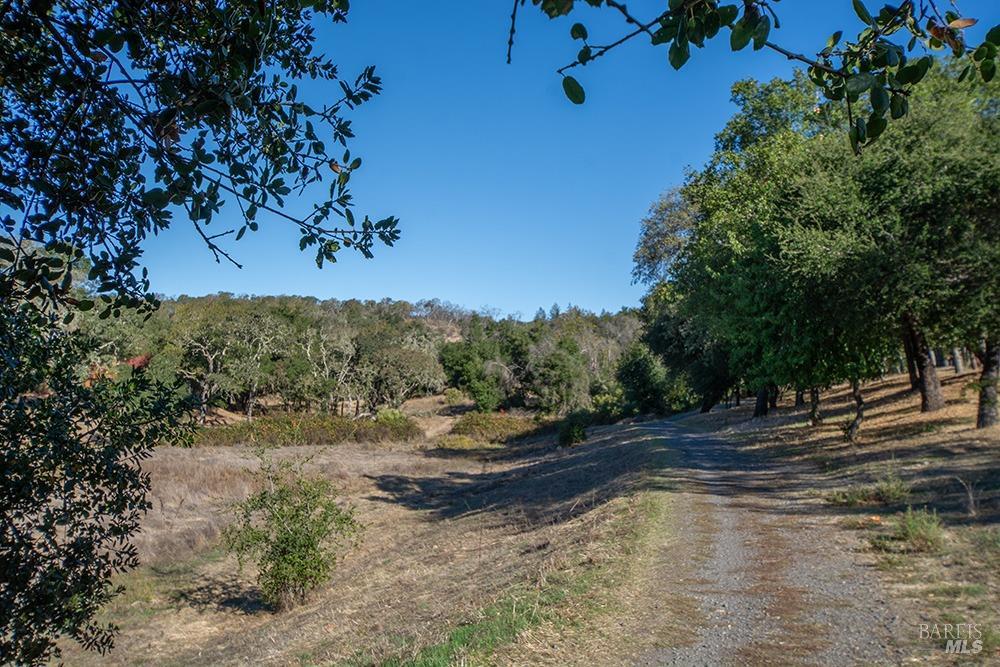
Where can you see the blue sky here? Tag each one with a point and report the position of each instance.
(509, 196)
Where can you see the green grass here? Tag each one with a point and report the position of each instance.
(289, 429)
(495, 427)
(913, 531)
(890, 490)
(525, 607)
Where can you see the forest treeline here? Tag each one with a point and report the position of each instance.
(353, 358)
(788, 262)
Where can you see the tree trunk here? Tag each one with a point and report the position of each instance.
(989, 359)
(738, 391)
(772, 396)
(956, 355)
(760, 408)
(815, 418)
(911, 359)
(800, 398)
(859, 411)
(931, 398)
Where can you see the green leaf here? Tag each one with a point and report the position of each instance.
(84, 305)
(761, 32)
(988, 70)
(876, 126)
(574, 91)
(679, 54)
(7, 254)
(859, 83)
(899, 106)
(834, 39)
(155, 197)
(993, 36)
(674, 5)
(740, 35)
(728, 14)
(880, 100)
(578, 31)
(862, 12)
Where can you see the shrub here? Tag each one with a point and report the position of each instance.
(454, 441)
(643, 379)
(610, 406)
(393, 419)
(292, 529)
(453, 397)
(890, 490)
(285, 430)
(573, 430)
(486, 393)
(920, 530)
(493, 427)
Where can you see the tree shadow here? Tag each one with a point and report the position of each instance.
(222, 594)
(537, 483)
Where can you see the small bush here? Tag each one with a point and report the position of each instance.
(286, 430)
(573, 430)
(493, 427)
(292, 529)
(453, 441)
(610, 406)
(918, 531)
(890, 490)
(453, 397)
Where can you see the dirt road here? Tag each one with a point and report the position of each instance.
(766, 577)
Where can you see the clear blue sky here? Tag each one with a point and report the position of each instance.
(509, 196)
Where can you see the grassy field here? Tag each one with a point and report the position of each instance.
(463, 551)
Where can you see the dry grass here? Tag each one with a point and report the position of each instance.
(446, 538)
(942, 557)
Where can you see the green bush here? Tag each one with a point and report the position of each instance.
(573, 430)
(919, 530)
(292, 529)
(610, 406)
(890, 490)
(493, 426)
(285, 430)
(453, 397)
(455, 441)
(915, 531)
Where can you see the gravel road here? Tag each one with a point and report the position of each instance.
(775, 581)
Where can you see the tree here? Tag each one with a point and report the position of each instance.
(257, 340)
(873, 73)
(292, 528)
(72, 488)
(114, 117)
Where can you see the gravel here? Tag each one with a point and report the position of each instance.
(779, 584)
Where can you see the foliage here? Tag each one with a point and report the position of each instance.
(455, 441)
(555, 363)
(72, 489)
(291, 429)
(494, 427)
(116, 117)
(647, 385)
(312, 355)
(803, 261)
(292, 529)
(873, 75)
(573, 429)
(915, 530)
(453, 397)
